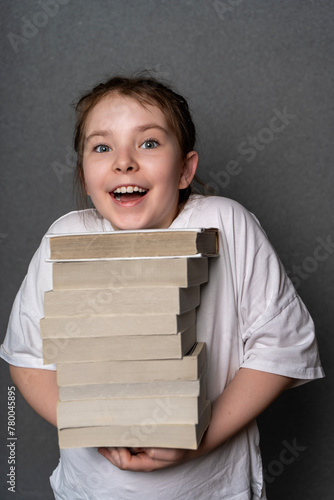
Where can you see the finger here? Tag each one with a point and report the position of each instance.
(111, 454)
(104, 452)
(167, 454)
(134, 451)
(124, 457)
(162, 453)
(146, 460)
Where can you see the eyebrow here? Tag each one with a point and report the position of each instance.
(139, 128)
(101, 133)
(149, 126)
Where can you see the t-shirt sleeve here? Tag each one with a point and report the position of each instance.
(276, 328)
(22, 345)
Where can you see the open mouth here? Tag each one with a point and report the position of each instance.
(129, 193)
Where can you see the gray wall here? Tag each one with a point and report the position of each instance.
(240, 63)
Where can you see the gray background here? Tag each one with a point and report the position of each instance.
(238, 62)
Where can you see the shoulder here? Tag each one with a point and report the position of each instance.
(216, 210)
(216, 202)
(82, 221)
(39, 275)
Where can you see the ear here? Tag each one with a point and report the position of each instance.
(188, 169)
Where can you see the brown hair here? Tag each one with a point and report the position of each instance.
(146, 90)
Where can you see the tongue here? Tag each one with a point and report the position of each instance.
(130, 196)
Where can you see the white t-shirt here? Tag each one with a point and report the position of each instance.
(250, 316)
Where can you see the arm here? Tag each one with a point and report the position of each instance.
(39, 388)
(245, 398)
(248, 395)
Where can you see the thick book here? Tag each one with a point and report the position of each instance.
(179, 272)
(130, 411)
(189, 367)
(184, 388)
(152, 433)
(117, 324)
(127, 347)
(141, 243)
(124, 300)
(135, 389)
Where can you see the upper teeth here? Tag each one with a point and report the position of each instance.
(129, 189)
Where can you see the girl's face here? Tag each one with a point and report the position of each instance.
(132, 164)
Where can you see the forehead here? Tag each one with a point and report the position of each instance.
(123, 111)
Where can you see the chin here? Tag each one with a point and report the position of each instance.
(131, 222)
(129, 225)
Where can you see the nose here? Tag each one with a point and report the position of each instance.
(125, 162)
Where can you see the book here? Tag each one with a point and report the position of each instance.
(132, 300)
(140, 243)
(120, 323)
(189, 367)
(99, 349)
(151, 433)
(179, 272)
(134, 389)
(129, 411)
(116, 324)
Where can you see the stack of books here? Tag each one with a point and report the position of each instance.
(120, 323)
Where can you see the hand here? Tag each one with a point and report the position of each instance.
(249, 393)
(145, 459)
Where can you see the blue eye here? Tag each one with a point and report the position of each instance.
(149, 144)
(102, 148)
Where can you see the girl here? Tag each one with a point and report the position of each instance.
(135, 142)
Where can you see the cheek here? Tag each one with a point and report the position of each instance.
(90, 179)
(171, 173)
(91, 172)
